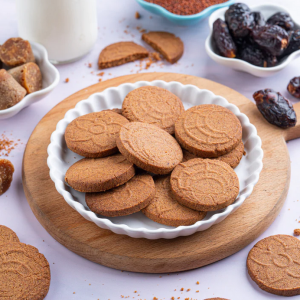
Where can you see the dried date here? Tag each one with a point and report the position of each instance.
(255, 56)
(223, 39)
(271, 38)
(258, 18)
(283, 20)
(294, 87)
(239, 20)
(294, 44)
(275, 108)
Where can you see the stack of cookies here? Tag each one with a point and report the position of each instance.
(134, 163)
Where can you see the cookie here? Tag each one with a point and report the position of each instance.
(124, 200)
(153, 105)
(274, 265)
(216, 299)
(204, 184)
(208, 130)
(167, 44)
(29, 76)
(94, 134)
(99, 174)
(7, 235)
(233, 158)
(164, 208)
(149, 147)
(6, 175)
(121, 53)
(24, 272)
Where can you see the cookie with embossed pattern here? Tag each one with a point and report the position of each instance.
(149, 147)
(204, 184)
(7, 235)
(94, 135)
(124, 200)
(274, 265)
(99, 174)
(24, 272)
(233, 158)
(165, 209)
(208, 130)
(153, 105)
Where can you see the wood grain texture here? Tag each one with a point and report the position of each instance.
(159, 256)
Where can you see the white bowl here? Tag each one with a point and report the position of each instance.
(50, 81)
(60, 158)
(267, 10)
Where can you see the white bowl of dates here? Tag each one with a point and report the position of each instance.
(260, 40)
(26, 75)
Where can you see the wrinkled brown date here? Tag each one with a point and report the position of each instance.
(275, 108)
(294, 44)
(223, 39)
(255, 56)
(283, 20)
(258, 18)
(271, 38)
(294, 87)
(239, 20)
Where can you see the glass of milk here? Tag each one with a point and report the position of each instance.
(66, 28)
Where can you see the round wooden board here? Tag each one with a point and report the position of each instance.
(158, 256)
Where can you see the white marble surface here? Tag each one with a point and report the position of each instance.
(71, 273)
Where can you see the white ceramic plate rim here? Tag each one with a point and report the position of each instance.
(53, 161)
(36, 96)
(239, 62)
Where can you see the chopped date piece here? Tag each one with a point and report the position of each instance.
(275, 108)
(294, 43)
(283, 20)
(271, 38)
(255, 56)
(294, 87)
(239, 20)
(258, 18)
(6, 175)
(223, 39)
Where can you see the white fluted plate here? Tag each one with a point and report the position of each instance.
(60, 158)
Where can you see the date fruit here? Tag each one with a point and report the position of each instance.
(271, 38)
(255, 56)
(223, 39)
(239, 20)
(294, 43)
(283, 20)
(258, 18)
(275, 108)
(294, 87)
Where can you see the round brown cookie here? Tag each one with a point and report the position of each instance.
(274, 264)
(7, 235)
(124, 200)
(94, 134)
(204, 184)
(149, 147)
(208, 130)
(154, 105)
(232, 158)
(216, 299)
(24, 272)
(99, 174)
(164, 208)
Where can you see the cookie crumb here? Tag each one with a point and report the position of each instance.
(197, 282)
(137, 15)
(297, 232)
(197, 291)
(67, 80)
(74, 293)
(188, 290)
(182, 289)
(100, 79)
(143, 30)
(154, 298)
(100, 74)
(90, 65)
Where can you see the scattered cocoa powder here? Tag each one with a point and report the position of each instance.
(6, 145)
